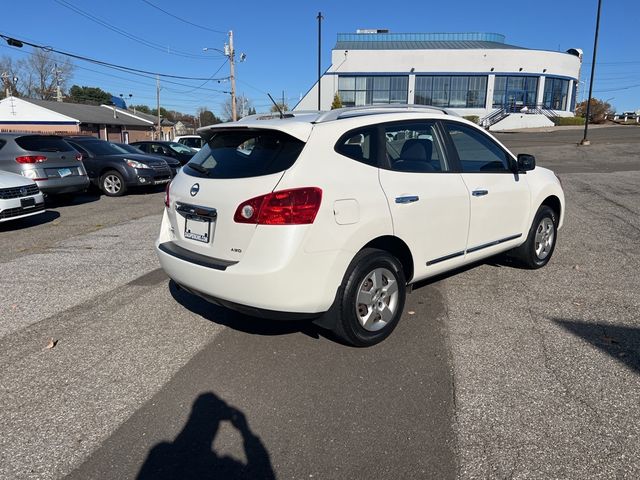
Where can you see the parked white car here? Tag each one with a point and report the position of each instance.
(192, 141)
(19, 197)
(333, 215)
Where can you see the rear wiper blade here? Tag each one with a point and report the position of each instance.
(198, 168)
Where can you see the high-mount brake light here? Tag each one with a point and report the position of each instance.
(296, 206)
(31, 159)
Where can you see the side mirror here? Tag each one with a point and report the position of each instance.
(526, 162)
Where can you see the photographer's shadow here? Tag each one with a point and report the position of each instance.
(191, 456)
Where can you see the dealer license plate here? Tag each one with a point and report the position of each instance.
(197, 228)
(28, 202)
(64, 172)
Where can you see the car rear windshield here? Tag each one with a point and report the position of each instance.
(43, 143)
(245, 153)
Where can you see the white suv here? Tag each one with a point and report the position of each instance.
(332, 215)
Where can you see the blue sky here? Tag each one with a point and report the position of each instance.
(280, 40)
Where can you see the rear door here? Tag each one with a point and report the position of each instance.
(235, 165)
(429, 202)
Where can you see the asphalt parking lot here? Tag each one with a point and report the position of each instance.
(494, 372)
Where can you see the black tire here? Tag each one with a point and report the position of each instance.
(112, 184)
(360, 279)
(532, 253)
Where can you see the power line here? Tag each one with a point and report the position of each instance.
(137, 74)
(135, 38)
(100, 62)
(206, 81)
(182, 19)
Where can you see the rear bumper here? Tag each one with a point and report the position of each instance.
(284, 283)
(72, 184)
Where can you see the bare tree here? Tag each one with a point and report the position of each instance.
(47, 71)
(243, 105)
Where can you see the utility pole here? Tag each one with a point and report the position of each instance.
(57, 73)
(158, 105)
(585, 141)
(320, 18)
(7, 85)
(231, 55)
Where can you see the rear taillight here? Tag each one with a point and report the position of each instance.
(31, 159)
(297, 206)
(167, 199)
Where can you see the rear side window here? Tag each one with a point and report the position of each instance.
(2, 144)
(43, 143)
(414, 147)
(359, 146)
(245, 153)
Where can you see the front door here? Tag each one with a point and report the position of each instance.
(429, 202)
(499, 199)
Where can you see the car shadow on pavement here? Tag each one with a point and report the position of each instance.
(28, 222)
(67, 200)
(191, 455)
(239, 321)
(621, 343)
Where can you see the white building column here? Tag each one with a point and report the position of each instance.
(570, 95)
(540, 96)
(488, 104)
(411, 93)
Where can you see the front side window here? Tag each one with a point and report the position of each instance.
(455, 91)
(477, 152)
(245, 153)
(368, 90)
(414, 147)
(358, 145)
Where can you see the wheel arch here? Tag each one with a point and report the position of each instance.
(398, 248)
(554, 203)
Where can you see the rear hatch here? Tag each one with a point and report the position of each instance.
(235, 166)
(50, 153)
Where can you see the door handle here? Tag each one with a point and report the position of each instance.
(407, 199)
(480, 193)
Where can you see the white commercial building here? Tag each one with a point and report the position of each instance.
(470, 73)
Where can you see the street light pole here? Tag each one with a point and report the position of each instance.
(585, 141)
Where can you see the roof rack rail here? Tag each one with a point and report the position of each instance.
(349, 112)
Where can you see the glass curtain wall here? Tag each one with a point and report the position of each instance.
(556, 92)
(514, 92)
(367, 90)
(454, 91)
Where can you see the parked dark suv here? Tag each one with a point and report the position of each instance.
(180, 152)
(47, 159)
(114, 170)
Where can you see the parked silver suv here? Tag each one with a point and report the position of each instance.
(52, 163)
